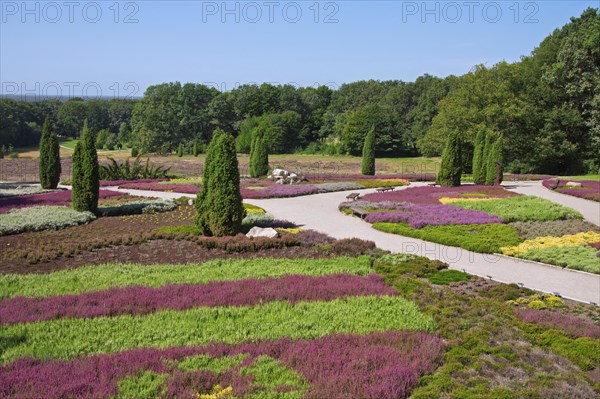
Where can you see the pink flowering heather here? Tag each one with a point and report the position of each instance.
(432, 195)
(279, 191)
(143, 300)
(56, 198)
(574, 326)
(590, 189)
(418, 216)
(382, 365)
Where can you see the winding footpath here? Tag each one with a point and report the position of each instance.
(320, 212)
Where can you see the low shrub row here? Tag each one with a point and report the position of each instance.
(137, 207)
(139, 300)
(54, 198)
(11, 190)
(102, 277)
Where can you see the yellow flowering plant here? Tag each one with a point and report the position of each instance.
(570, 240)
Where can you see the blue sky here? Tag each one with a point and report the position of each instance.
(124, 47)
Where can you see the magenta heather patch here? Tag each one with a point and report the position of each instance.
(589, 189)
(574, 326)
(56, 198)
(143, 300)
(381, 365)
(418, 216)
(432, 195)
(279, 191)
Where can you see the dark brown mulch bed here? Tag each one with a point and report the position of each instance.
(156, 252)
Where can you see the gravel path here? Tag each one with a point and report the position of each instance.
(320, 212)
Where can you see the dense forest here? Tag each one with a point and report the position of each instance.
(546, 106)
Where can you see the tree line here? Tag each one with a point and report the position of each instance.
(545, 106)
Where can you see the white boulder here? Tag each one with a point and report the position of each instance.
(262, 232)
(573, 184)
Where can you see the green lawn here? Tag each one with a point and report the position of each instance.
(70, 143)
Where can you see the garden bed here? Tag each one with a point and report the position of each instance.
(486, 220)
(587, 189)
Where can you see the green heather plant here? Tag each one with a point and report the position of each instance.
(102, 277)
(368, 154)
(495, 156)
(581, 257)
(38, 218)
(483, 238)
(219, 202)
(478, 157)
(145, 384)
(49, 157)
(86, 175)
(523, 209)
(451, 164)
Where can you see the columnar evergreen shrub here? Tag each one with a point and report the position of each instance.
(219, 202)
(368, 155)
(135, 152)
(478, 160)
(487, 149)
(86, 175)
(195, 151)
(451, 166)
(259, 158)
(496, 155)
(49, 157)
(180, 150)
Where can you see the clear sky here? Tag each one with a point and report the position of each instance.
(82, 47)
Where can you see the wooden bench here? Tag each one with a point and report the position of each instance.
(384, 189)
(353, 196)
(359, 212)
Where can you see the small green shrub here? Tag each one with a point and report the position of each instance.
(445, 277)
(144, 385)
(483, 238)
(415, 265)
(38, 218)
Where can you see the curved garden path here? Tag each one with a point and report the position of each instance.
(320, 212)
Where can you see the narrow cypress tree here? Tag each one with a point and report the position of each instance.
(487, 159)
(219, 203)
(496, 155)
(180, 150)
(86, 174)
(368, 154)
(195, 149)
(49, 157)
(259, 160)
(451, 166)
(251, 154)
(478, 161)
